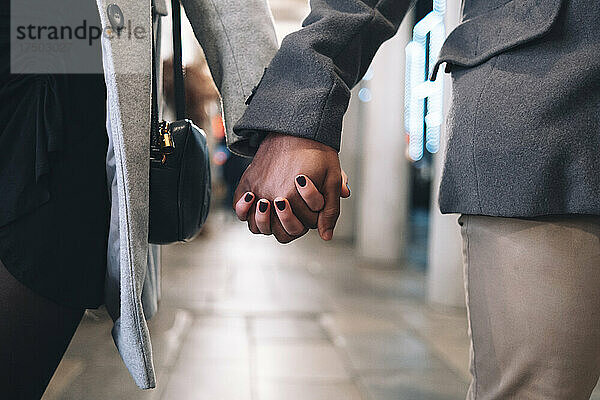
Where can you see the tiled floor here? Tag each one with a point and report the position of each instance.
(244, 318)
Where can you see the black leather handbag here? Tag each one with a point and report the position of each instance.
(180, 186)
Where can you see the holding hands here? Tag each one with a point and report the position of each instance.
(293, 185)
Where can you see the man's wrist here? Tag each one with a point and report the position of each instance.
(285, 141)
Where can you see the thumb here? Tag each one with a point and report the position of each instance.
(331, 211)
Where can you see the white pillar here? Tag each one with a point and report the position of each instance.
(350, 156)
(445, 275)
(383, 194)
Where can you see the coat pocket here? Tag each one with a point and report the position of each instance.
(480, 38)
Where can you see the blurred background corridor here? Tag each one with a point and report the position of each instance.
(306, 321)
(376, 314)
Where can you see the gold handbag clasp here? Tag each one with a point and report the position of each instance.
(167, 145)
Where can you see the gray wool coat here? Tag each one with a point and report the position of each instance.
(524, 123)
(236, 60)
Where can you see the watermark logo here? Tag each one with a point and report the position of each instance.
(62, 36)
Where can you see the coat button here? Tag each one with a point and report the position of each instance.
(115, 16)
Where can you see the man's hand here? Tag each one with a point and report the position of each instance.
(272, 177)
(307, 190)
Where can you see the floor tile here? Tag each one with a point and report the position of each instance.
(317, 361)
(389, 352)
(206, 347)
(286, 328)
(438, 385)
(356, 323)
(308, 321)
(444, 330)
(276, 390)
(210, 382)
(108, 382)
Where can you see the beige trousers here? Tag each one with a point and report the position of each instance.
(533, 297)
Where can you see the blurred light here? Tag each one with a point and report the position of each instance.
(423, 128)
(364, 95)
(414, 104)
(218, 127)
(220, 155)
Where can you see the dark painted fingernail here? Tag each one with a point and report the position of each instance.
(301, 179)
(249, 197)
(263, 205)
(280, 204)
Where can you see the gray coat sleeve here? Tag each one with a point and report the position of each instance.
(239, 40)
(306, 89)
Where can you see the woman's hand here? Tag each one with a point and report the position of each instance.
(279, 159)
(309, 193)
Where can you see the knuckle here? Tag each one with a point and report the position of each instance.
(331, 213)
(317, 206)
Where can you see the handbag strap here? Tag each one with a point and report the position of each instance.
(179, 85)
(154, 140)
(178, 82)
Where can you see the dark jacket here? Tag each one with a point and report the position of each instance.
(525, 120)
